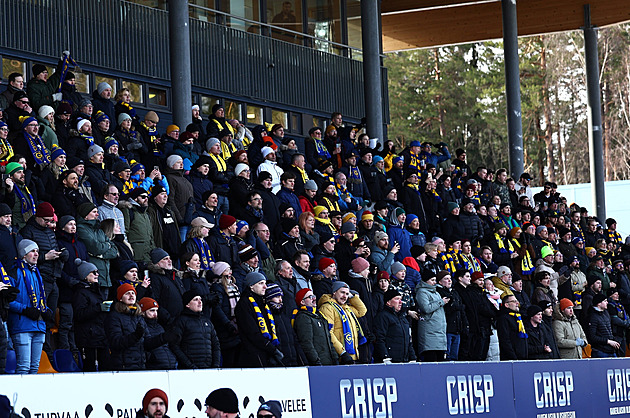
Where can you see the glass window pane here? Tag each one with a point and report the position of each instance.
(254, 115)
(109, 80)
(201, 11)
(280, 117)
(206, 104)
(318, 122)
(232, 110)
(296, 120)
(135, 89)
(247, 9)
(324, 22)
(353, 8)
(157, 96)
(82, 82)
(10, 65)
(285, 15)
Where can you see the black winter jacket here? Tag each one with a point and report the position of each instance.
(313, 334)
(257, 350)
(455, 311)
(46, 241)
(599, 330)
(89, 319)
(127, 347)
(167, 288)
(511, 345)
(158, 354)
(393, 337)
(198, 344)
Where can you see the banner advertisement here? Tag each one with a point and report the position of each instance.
(610, 385)
(552, 389)
(458, 389)
(365, 391)
(119, 395)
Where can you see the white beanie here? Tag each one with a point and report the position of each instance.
(80, 123)
(266, 151)
(240, 167)
(45, 111)
(171, 160)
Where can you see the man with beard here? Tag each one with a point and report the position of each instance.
(67, 198)
(31, 145)
(222, 403)
(154, 405)
(486, 261)
(138, 224)
(165, 229)
(166, 285)
(381, 254)
(23, 206)
(505, 216)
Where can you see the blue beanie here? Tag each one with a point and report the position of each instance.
(109, 142)
(377, 158)
(410, 218)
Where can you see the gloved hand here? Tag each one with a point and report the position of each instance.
(387, 360)
(65, 53)
(48, 315)
(57, 97)
(31, 313)
(132, 146)
(139, 332)
(213, 299)
(346, 358)
(579, 342)
(278, 356)
(563, 270)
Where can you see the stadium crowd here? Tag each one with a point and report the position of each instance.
(213, 245)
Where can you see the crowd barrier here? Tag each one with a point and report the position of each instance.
(540, 389)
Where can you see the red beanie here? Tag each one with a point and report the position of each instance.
(147, 303)
(44, 210)
(299, 296)
(382, 275)
(124, 288)
(325, 262)
(226, 221)
(154, 393)
(476, 275)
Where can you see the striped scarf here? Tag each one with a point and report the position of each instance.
(527, 266)
(501, 245)
(521, 327)
(5, 276)
(262, 324)
(348, 339)
(88, 138)
(38, 149)
(576, 231)
(447, 262)
(470, 263)
(354, 174)
(227, 150)
(39, 304)
(311, 309)
(6, 150)
(154, 137)
(322, 151)
(27, 205)
(614, 236)
(205, 255)
(220, 162)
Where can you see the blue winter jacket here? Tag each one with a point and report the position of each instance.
(19, 323)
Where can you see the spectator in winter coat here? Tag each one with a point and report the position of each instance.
(568, 332)
(546, 326)
(380, 253)
(89, 318)
(156, 341)
(393, 334)
(138, 224)
(432, 342)
(125, 329)
(313, 331)
(511, 331)
(538, 347)
(454, 310)
(256, 323)
(108, 209)
(603, 342)
(289, 346)
(166, 285)
(197, 345)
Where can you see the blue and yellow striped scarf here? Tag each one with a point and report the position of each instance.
(262, 324)
(521, 327)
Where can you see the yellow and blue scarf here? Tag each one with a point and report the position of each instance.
(348, 339)
(205, 255)
(521, 327)
(40, 304)
(38, 149)
(263, 325)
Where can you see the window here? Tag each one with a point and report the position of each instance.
(324, 22)
(246, 9)
(285, 14)
(318, 122)
(254, 115)
(157, 96)
(232, 110)
(296, 125)
(10, 65)
(82, 82)
(206, 104)
(197, 10)
(111, 81)
(280, 117)
(353, 10)
(136, 91)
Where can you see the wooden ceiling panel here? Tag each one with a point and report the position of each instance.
(475, 22)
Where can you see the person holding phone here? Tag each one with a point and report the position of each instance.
(432, 325)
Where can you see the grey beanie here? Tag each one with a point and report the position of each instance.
(93, 150)
(211, 142)
(379, 235)
(84, 268)
(157, 255)
(172, 159)
(348, 227)
(102, 86)
(253, 278)
(310, 185)
(338, 285)
(397, 266)
(26, 246)
(123, 117)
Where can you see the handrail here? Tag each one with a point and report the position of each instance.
(268, 25)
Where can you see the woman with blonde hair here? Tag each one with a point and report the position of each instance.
(123, 104)
(310, 237)
(225, 287)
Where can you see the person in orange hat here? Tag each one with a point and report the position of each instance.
(154, 404)
(159, 355)
(569, 334)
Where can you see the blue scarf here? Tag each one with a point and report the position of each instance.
(348, 339)
(38, 149)
(322, 151)
(263, 325)
(521, 327)
(26, 202)
(30, 286)
(89, 139)
(5, 276)
(205, 255)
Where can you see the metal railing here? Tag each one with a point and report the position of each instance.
(120, 36)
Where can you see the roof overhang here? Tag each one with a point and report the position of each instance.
(427, 23)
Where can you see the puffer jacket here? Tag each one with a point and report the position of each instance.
(201, 184)
(46, 241)
(158, 354)
(313, 334)
(181, 192)
(198, 345)
(455, 311)
(473, 227)
(392, 337)
(293, 355)
(19, 323)
(127, 348)
(100, 248)
(567, 330)
(432, 330)
(355, 308)
(139, 230)
(89, 319)
(69, 275)
(600, 330)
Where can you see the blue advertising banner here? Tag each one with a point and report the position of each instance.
(455, 389)
(552, 389)
(610, 384)
(365, 391)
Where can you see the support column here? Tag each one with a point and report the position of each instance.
(372, 78)
(179, 54)
(512, 87)
(595, 142)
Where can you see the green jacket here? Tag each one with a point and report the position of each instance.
(40, 93)
(313, 333)
(48, 135)
(100, 248)
(139, 230)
